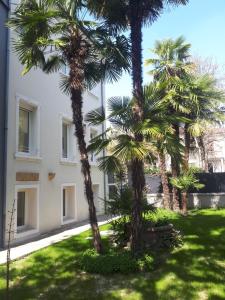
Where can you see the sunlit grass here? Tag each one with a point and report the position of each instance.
(194, 271)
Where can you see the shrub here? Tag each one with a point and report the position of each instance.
(114, 262)
(160, 217)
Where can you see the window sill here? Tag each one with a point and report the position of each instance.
(24, 233)
(68, 221)
(27, 157)
(68, 162)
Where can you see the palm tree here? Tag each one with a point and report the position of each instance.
(155, 128)
(167, 144)
(53, 33)
(184, 182)
(133, 15)
(171, 66)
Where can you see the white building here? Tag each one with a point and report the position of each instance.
(214, 145)
(43, 172)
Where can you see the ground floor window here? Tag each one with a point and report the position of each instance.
(68, 204)
(26, 209)
(21, 209)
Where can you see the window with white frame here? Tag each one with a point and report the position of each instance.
(68, 204)
(112, 187)
(26, 209)
(68, 141)
(28, 115)
(93, 134)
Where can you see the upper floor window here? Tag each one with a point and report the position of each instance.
(68, 140)
(65, 139)
(24, 129)
(28, 131)
(93, 134)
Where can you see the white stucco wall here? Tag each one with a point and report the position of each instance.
(44, 89)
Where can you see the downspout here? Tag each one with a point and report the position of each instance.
(104, 153)
(6, 99)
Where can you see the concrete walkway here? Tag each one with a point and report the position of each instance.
(23, 250)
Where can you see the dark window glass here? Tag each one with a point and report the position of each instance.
(20, 209)
(24, 130)
(64, 202)
(111, 178)
(65, 140)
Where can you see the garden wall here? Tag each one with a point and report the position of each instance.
(212, 195)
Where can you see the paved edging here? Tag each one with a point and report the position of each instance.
(26, 249)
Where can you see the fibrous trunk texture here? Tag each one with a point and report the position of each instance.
(175, 168)
(76, 54)
(165, 181)
(187, 141)
(184, 202)
(137, 166)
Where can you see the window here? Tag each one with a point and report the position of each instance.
(28, 131)
(68, 204)
(64, 203)
(65, 131)
(24, 130)
(68, 141)
(26, 210)
(111, 184)
(21, 209)
(93, 134)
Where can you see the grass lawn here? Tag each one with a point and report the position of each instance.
(195, 271)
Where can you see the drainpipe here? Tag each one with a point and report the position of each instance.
(104, 153)
(5, 99)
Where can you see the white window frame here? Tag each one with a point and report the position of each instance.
(72, 220)
(34, 149)
(71, 142)
(28, 232)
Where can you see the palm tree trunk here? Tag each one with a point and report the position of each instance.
(187, 142)
(165, 181)
(137, 166)
(175, 168)
(77, 103)
(184, 202)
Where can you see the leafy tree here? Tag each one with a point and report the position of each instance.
(133, 15)
(54, 33)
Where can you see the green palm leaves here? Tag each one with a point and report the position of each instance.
(45, 29)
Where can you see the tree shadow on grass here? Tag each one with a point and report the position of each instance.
(195, 271)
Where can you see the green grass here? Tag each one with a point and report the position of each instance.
(194, 271)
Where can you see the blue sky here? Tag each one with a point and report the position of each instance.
(201, 22)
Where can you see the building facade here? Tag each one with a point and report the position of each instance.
(44, 182)
(4, 9)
